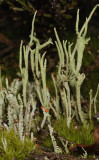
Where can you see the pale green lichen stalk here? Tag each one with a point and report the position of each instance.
(69, 76)
(91, 102)
(95, 99)
(56, 147)
(38, 73)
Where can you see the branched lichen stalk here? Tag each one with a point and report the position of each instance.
(83, 27)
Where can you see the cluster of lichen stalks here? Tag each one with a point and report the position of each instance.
(21, 108)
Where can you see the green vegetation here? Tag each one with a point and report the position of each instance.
(47, 142)
(31, 107)
(11, 147)
(79, 135)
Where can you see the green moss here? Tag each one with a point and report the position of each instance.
(15, 147)
(47, 142)
(83, 135)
